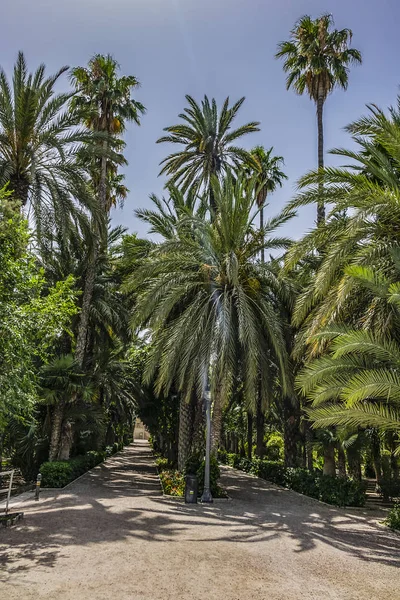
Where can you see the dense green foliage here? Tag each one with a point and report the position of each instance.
(297, 342)
(393, 518)
(338, 491)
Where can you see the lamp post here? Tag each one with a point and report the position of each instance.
(206, 496)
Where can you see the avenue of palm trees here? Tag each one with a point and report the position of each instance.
(299, 341)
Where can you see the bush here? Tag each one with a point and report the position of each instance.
(58, 474)
(393, 518)
(195, 465)
(389, 488)
(332, 490)
(173, 483)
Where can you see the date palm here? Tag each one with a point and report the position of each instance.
(206, 299)
(269, 177)
(208, 142)
(317, 59)
(103, 102)
(39, 141)
(362, 244)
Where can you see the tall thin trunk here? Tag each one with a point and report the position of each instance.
(309, 445)
(341, 461)
(261, 228)
(81, 340)
(376, 455)
(57, 419)
(185, 426)
(321, 206)
(329, 461)
(249, 435)
(259, 430)
(290, 432)
(198, 438)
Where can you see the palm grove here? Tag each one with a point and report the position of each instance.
(297, 340)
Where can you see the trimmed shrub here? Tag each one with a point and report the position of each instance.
(58, 474)
(332, 490)
(393, 518)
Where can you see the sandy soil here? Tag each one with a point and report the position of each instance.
(112, 535)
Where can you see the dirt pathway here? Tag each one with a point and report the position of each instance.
(112, 535)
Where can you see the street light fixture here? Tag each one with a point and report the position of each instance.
(207, 496)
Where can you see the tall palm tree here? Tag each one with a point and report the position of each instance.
(208, 139)
(207, 301)
(269, 177)
(317, 60)
(39, 141)
(362, 244)
(103, 102)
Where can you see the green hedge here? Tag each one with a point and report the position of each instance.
(337, 491)
(58, 474)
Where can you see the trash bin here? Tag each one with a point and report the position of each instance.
(191, 489)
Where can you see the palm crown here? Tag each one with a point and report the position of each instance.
(208, 142)
(316, 57)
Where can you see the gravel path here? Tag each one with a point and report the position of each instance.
(112, 535)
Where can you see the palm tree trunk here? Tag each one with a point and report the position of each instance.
(329, 461)
(259, 431)
(66, 440)
(185, 426)
(216, 422)
(354, 461)
(376, 455)
(58, 415)
(309, 445)
(83, 327)
(321, 206)
(249, 435)
(341, 461)
(261, 228)
(290, 432)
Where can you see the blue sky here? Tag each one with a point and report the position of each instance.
(218, 48)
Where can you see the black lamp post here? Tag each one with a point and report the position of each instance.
(206, 496)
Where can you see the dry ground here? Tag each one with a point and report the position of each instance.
(111, 534)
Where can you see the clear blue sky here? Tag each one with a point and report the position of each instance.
(213, 47)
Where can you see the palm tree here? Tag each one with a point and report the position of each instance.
(208, 140)
(359, 247)
(269, 177)
(39, 142)
(104, 103)
(207, 302)
(317, 60)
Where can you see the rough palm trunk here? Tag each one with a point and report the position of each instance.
(261, 228)
(376, 456)
(58, 415)
(66, 440)
(198, 437)
(249, 435)
(259, 431)
(19, 186)
(216, 423)
(290, 432)
(354, 462)
(341, 461)
(329, 461)
(185, 431)
(309, 445)
(321, 206)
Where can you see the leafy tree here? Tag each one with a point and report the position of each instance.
(317, 60)
(208, 139)
(33, 315)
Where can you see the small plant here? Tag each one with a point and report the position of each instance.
(173, 483)
(393, 518)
